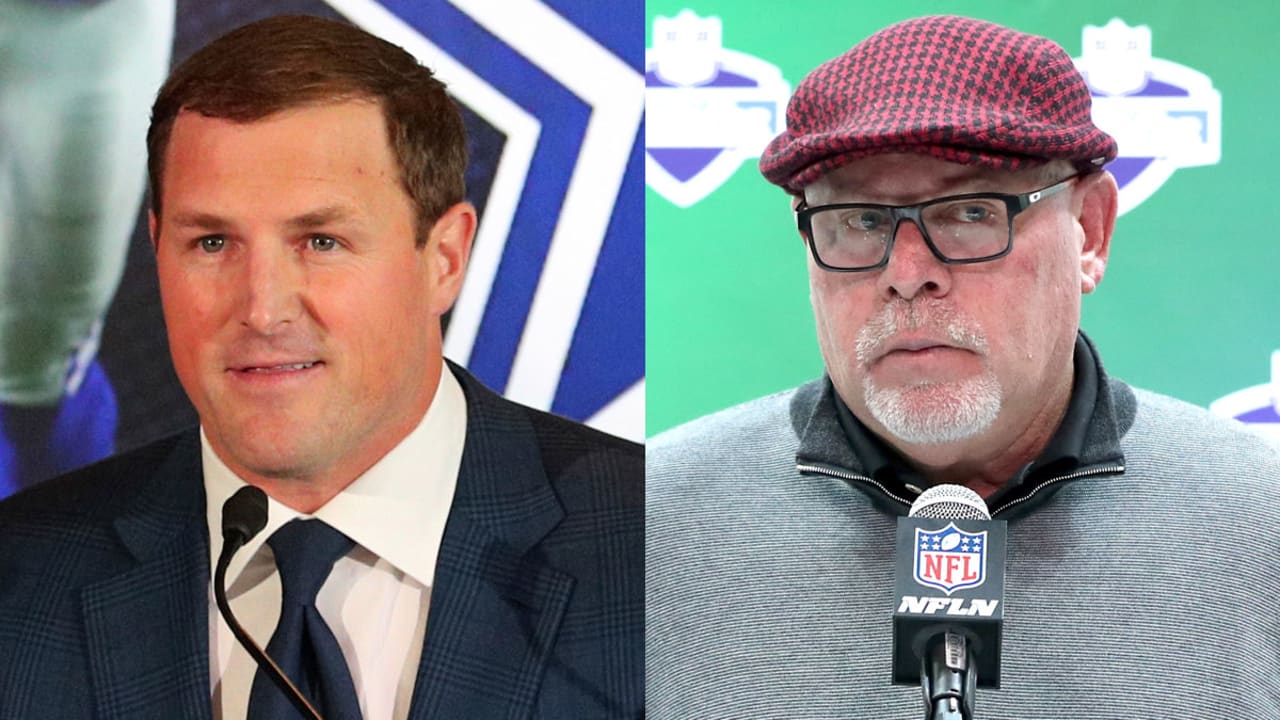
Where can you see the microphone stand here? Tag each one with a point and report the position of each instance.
(948, 678)
(243, 516)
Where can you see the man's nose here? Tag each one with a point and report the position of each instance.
(913, 269)
(272, 284)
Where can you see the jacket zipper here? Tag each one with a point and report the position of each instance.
(1053, 481)
(846, 475)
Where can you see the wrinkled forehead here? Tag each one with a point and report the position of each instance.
(904, 178)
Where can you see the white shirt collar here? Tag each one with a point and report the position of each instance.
(396, 510)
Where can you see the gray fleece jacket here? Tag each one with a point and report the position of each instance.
(1146, 587)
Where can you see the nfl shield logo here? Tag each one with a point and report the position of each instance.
(1164, 116)
(950, 558)
(707, 109)
(1258, 407)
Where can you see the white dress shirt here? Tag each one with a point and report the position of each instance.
(376, 598)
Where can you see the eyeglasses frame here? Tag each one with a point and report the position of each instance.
(1015, 203)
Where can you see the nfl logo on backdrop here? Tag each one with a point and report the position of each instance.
(1258, 407)
(708, 109)
(950, 559)
(1164, 116)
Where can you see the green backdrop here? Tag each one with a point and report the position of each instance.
(1183, 309)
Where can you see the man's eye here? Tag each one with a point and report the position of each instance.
(213, 243)
(866, 221)
(972, 213)
(323, 243)
(869, 221)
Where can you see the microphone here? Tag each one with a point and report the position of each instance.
(244, 514)
(948, 600)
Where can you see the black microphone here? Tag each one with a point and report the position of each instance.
(948, 600)
(244, 514)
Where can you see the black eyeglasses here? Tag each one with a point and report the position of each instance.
(970, 228)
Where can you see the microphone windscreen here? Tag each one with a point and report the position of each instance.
(244, 514)
(949, 502)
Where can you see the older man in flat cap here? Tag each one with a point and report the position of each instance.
(950, 189)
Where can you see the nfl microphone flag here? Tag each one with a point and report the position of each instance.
(949, 576)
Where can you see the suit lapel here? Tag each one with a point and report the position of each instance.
(147, 628)
(496, 605)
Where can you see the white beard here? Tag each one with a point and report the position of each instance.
(935, 413)
(928, 412)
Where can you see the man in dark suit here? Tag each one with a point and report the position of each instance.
(310, 230)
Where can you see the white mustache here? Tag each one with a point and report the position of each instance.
(903, 315)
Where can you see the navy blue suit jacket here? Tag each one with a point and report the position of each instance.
(537, 609)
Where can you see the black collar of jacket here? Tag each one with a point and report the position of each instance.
(1100, 412)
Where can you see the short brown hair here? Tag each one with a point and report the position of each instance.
(291, 61)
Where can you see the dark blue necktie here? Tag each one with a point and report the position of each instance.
(303, 645)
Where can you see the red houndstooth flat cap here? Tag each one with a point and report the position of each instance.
(955, 88)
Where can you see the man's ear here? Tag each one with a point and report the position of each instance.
(448, 248)
(795, 203)
(153, 229)
(1099, 198)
